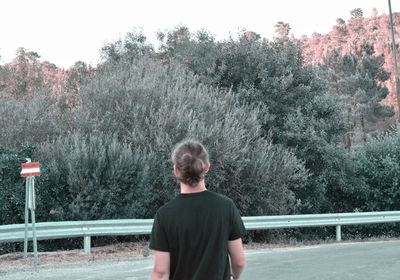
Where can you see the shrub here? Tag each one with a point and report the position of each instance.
(379, 165)
(109, 157)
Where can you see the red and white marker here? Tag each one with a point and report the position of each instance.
(30, 169)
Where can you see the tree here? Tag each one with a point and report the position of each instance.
(282, 30)
(134, 45)
(24, 74)
(340, 21)
(77, 75)
(356, 13)
(197, 51)
(3, 79)
(374, 13)
(357, 79)
(379, 166)
(316, 131)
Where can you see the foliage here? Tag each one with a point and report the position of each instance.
(152, 107)
(292, 105)
(282, 29)
(198, 52)
(92, 177)
(357, 79)
(356, 13)
(12, 187)
(32, 120)
(108, 157)
(379, 165)
(295, 109)
(316, 131)
(134, 45)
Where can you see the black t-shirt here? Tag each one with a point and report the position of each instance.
(195, 229)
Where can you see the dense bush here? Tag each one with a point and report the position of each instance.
(150, 108)
(379, 165)
(112, 160)
(92, 177)
(32, 119)
(12, 186)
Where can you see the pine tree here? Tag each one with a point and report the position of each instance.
(357, 79)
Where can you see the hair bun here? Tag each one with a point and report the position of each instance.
(190, 158)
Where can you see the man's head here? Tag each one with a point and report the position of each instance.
(191, 162)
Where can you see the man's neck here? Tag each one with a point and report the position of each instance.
(189, 189)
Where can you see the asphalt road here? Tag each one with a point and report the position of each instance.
(355, 261)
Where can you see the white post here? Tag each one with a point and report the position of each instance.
(26, 214)
(86, 244)
(338, 233)
(32, 207)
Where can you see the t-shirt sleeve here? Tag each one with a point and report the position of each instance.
(158, 239)
(237, 227)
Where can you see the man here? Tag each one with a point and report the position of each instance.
(198, 234)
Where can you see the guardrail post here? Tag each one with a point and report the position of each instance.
(86, 244)
(338, 233)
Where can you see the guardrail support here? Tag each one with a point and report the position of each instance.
(338, 233)
(86, 244)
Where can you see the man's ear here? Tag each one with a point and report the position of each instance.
(207, 168)
(176, 171)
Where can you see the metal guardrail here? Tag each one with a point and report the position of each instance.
(86, 229)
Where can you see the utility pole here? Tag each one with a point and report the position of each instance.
(396, 71)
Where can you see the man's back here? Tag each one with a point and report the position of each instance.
(195, 229)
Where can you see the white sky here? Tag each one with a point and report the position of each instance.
(65, 31)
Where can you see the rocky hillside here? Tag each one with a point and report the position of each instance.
(351, 36)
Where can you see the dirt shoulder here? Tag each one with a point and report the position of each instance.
(120, 251)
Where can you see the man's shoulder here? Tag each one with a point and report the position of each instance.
(220, 197)
(168, 204)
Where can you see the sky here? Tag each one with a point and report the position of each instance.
(66, 31)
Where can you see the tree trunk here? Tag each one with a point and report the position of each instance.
(363, 129)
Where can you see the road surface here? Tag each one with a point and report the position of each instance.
(355, 261)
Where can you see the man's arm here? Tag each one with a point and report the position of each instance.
(238, 262)
(161, 266)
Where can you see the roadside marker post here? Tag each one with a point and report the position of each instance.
(29, 170)
(26, 216)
